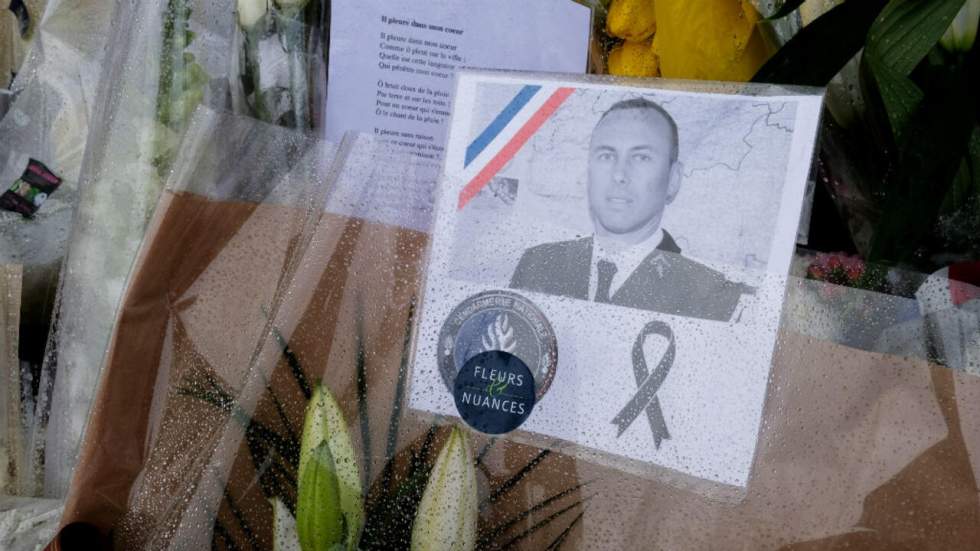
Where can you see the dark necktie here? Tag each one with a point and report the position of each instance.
(606, 272)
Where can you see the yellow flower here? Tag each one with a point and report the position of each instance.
(631, 19)
(446, 518)
(633, 59)
(708, 39)
(326, 444)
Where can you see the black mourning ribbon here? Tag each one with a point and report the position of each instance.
(649, 383)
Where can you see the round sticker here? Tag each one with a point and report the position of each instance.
(494, 392)
(499, 321)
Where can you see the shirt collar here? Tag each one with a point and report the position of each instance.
(626, 260)
(629, 258)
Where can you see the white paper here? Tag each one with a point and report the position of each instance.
(744, 162)
(392, 65)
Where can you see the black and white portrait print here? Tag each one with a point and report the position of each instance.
(653, 229)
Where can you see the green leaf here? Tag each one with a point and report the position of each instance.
(966, 185)
(929, 156)
(488, 537)
(545, 522)
(396, 409)
(818, 52)
(555, 545)
(240, 518)
(902, 35)
(516, 478)
(788, 7)
(899, 95)
(906, 30)
(220, 532)
(293, 362)
(396, 495)
(364, 416)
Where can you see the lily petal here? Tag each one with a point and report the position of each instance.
(319, 520)
(447, 515)
(325, 424)
(284, 536)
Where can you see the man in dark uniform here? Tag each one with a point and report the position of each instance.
(631, 260)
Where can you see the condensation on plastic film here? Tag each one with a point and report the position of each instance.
(121, 180)
(10, 433)
(852, 441)
(857, 448)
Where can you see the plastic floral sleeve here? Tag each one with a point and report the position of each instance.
(157, 71)
(258, 339)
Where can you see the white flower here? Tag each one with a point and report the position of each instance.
(447, 514)
(251, 11)
(284, 536)
(319, 518)
(327, 455)
(962, 32)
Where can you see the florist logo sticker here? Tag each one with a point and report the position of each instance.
(494, 392)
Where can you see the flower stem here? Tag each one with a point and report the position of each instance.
(252, 38)
(293, 36)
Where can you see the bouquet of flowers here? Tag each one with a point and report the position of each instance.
(901, 140)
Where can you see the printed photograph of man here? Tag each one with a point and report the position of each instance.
(631, 260)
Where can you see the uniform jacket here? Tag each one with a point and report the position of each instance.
(664, 282)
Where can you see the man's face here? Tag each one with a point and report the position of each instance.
(631, 175)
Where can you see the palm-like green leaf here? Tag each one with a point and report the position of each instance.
(500, 529)
(391, 445)
(905, 31)
(901, 36)
(542, 523)
(243, 524)
(294, 366)
(822, 48)
(509, 484)
(221, 534)
(362, 395)
(396, 494)
(564, 534)
(929, 155)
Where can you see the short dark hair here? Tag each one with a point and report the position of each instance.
(643, 103)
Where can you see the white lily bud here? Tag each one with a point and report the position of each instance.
(325, 424)
(251, 11)
(962, 32)
(319, 519)
(447, 515)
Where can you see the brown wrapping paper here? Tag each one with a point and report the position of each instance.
(857, 450)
